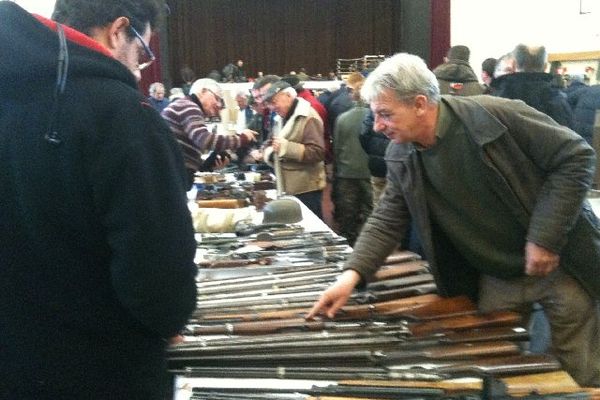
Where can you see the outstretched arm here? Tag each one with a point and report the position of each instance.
(336, 295)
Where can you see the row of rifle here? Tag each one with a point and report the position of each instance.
(392, 335)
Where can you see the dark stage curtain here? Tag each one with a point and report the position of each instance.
(440, 31)
(277, 36)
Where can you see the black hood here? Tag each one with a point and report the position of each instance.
(531, 87)
(29, 54)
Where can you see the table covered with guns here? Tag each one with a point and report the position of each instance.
(396, 338)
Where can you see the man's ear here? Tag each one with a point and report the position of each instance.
(116, 30)
(421, 103)
(110, 35)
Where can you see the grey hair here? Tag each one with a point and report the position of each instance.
(208, 84)
(530, 58)
(242, 92)
(290, 91)
(155, 86)
(404, 74)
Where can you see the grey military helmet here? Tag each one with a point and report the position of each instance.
(283, 211)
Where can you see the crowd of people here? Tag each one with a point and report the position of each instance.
(97, 255)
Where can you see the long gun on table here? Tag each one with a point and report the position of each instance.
(307, 300)
(436, 353)
(390, 375)
(423, 306)
(376, 340)
(416, 307)
(312, 295)
(371, 392)
(373, 331)
(328, 272)
(461, 322)
(242, 295)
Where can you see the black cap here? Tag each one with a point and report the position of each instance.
(274, 89)
(293, 80)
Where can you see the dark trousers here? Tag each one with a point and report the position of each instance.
(312, 200)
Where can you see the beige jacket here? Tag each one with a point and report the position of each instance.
(302, 151)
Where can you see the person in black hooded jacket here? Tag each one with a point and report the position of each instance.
(531, 84)
(97, 245)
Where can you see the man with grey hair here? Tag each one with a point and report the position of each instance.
(297, 142)
(187, 120)
(530, 58)
(501, 215)
(157, 96)
(531, 84)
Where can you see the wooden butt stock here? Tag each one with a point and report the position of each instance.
(399, 270)
(463, 322)
(221, 203)
(423, 307)
(442, 307)
(460, 351)
(401, 256)
(542, 383)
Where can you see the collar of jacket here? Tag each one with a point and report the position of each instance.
(75, 36)
(302, 109)
(481, 125)
(196, 100)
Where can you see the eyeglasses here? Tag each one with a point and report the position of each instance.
(149, 54)
(218, 98)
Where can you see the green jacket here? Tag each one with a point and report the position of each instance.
(540, 169)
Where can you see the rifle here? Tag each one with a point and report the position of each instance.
(355, 339)
(310, 295)
(208, 278)
(372, 330)
(281, 272)
(425, 306)
(381, 288)
(323, 373)
(438, 353)
(231, 263)
(285, 277)
(486, 366)
(460, 322)
(372, 392)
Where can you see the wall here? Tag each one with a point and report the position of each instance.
(490, 28)
(41, 7)
(493, 28)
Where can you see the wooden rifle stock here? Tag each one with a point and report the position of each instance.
(401, 256)
(221, 203)
(401, 269)
(521, 385)
(442, 307)
(421, 307)
(460, 351)
(463, 322)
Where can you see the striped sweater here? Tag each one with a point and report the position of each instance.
(187, 122)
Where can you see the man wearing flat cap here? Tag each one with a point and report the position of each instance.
(298, 144)
(455, 76)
